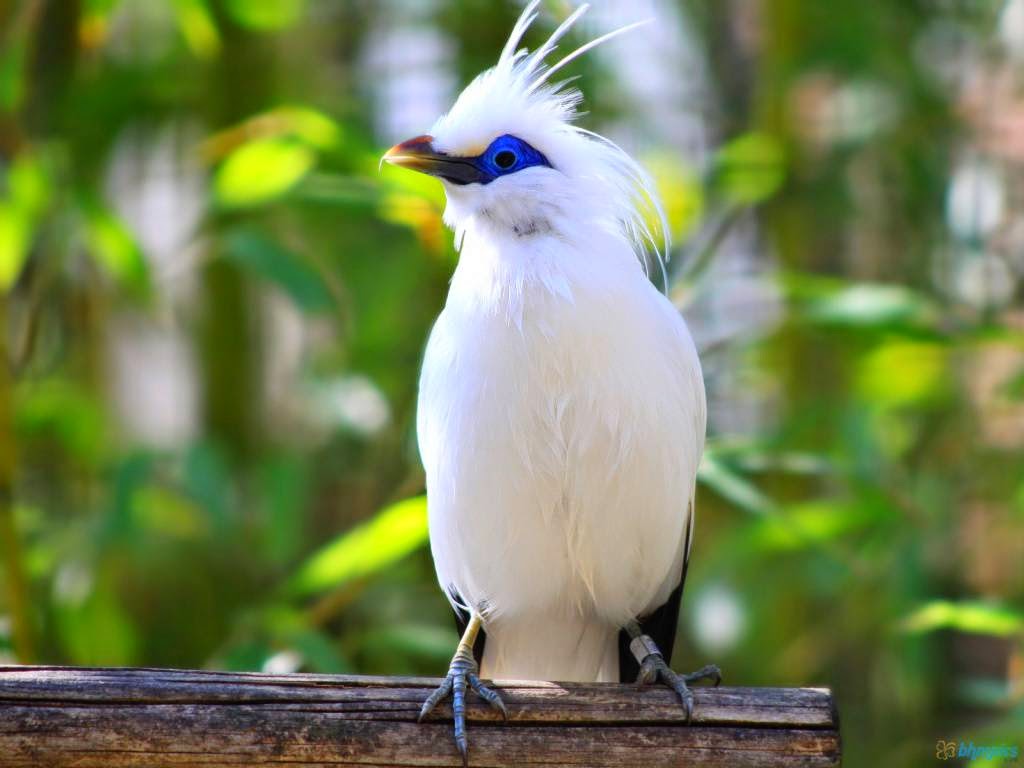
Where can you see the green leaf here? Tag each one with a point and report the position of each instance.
(287, 123)
(285, 492)
(94, 628)
(750, 169)
(309, 125)
(246, 656)
(131, 474)
(267, 259)
(207, 480)
(903, 373)
(733, 487)
(811, 524)
(15, 234)
(261, 170)
(749, 456)
(165, 512)
(870, 305)
(198, 27)
(1014, 386)
(265, 15)
(114, 248)
(368, 548)
(681, 192)
(319, 652)
(425, 640)
(12, 72)
(68, 415)
(971, 616)
(344, 191)
(100, 9)
(28, 184)
(27, 193)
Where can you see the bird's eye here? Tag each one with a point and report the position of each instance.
(504, 156)
(505, 159)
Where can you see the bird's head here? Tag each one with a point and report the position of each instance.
(512, 160)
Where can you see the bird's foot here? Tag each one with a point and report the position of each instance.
(462, 673)
(653, 668)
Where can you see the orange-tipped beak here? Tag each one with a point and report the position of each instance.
(419, 154)
(411, 153)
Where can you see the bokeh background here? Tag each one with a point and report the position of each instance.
(214, 307)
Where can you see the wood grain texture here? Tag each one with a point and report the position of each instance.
(53, 716)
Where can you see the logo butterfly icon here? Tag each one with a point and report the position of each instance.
(945, 750)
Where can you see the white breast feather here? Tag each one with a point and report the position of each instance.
(561, 421)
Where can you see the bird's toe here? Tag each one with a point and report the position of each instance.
(710, 673)
(485, 693)
(648, 672)
(434, 698)
(462, 675)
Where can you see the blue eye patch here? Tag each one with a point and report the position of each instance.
(507, 155)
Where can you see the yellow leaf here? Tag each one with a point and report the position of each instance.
(198, 27)
(261, 170)
(113, 246)
(966, 616)
(14, 241)
(27, 196)
(266, 14)
(370, 547)
(901, 373)
(751, 168)
(680, 192)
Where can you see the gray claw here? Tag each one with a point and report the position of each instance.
(435, 698)
(678, 684)
(653, 668)
(462, 674)
(710, 672)
(648, 672)
(488, 695)
(459, 711)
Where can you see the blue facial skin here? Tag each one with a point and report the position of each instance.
(507, 155)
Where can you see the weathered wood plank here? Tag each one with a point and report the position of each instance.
(52, 716)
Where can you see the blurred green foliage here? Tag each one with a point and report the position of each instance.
(214, 306)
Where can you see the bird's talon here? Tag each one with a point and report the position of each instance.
(654, 668)
(462, 675)
(488, 695)
(678, 684)
(710, 672)
(432, 700)
(648, 671)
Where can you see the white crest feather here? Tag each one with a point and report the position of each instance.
(517, 97)
(522, 24)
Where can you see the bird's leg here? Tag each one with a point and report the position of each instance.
(462, 672)
(654, 669)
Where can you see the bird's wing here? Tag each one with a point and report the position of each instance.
(662, 622)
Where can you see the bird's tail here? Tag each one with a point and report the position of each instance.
(551, 649)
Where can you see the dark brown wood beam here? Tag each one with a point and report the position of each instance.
(109, 718)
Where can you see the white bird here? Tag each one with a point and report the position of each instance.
(561, 410)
